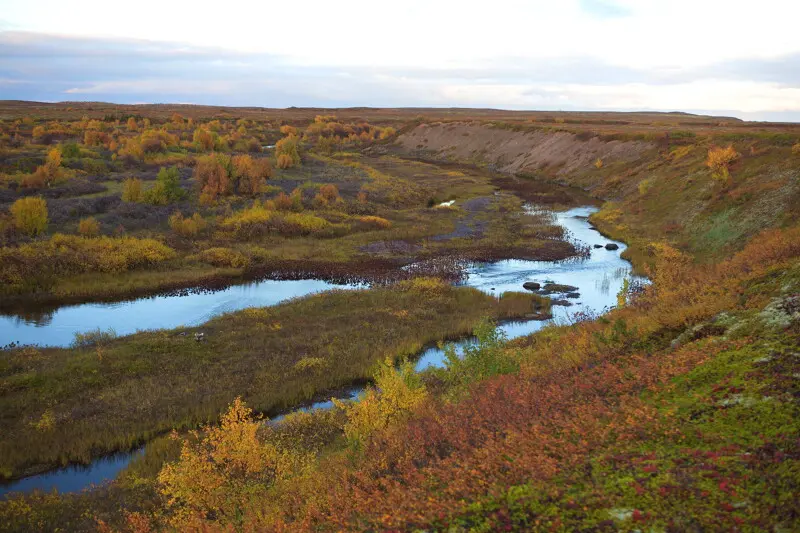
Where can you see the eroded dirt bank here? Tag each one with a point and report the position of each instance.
(557, 153)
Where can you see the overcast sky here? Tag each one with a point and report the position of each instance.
(731, 57)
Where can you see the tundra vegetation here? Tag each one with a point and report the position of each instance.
(675, 411)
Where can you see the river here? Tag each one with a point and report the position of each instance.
(599, 279)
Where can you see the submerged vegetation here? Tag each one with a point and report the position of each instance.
(675, 411)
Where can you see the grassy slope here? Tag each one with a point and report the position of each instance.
(611, 425)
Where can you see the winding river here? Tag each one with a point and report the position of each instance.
(598, 277)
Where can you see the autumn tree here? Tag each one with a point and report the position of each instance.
(30, 215)
(204, 139)
(47, 173)
(223, 469)
(167, 188)
(397, 392)
(288, 148)
(719, 161)
(249, 174)
(132, 190)
(132, 125)
(212, 174)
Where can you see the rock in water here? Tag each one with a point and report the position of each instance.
(611, 246)
(531, 286)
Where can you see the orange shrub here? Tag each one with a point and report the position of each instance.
(95, 138)
(212, 173)
(187, 227)
(284, 161)
(283, 202)
(250, 174)
(375, 222)
(330, 192)
(204, 139)
(89, 227)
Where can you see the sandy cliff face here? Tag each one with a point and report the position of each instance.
(556, 153)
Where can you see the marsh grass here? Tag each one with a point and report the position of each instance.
(113, 396)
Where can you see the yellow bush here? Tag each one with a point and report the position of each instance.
(63, 255)
(88, 227)
(304, 223)
(30, 215)
(241, 221)
(719, 161)
(375, 222)
(132, 125)
(132, 190)
(223, 257)
(288, 146)
(598, 163)
(796, 148)
(204, 139)
(644, 186)
(225, 469)
(395, 395)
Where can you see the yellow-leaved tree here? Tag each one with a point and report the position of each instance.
(225, 469)
(397, 392)
(30, 215)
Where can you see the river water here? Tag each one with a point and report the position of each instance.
(599, 279)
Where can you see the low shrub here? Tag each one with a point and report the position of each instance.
(223, 257)
(95, 337)
(36, 263)
(250, 222)
(187, 227)
(89, 227)
(375, 222)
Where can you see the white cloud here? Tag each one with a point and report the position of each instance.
(610, 54)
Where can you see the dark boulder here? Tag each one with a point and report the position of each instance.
(612, 246)
(551, 288)
(598, 245)
(531, 286)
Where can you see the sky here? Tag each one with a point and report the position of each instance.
(723, 57)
